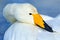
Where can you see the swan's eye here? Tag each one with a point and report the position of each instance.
(30, 13)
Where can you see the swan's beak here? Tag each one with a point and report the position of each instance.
(38, 20)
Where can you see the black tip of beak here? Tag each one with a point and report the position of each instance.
(47, 27)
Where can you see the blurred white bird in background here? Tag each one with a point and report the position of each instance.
(27, 24)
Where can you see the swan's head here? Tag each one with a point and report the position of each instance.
(25, 13)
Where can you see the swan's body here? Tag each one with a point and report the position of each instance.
(25, 25)
(21, 31)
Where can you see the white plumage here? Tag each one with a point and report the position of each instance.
(23, 27)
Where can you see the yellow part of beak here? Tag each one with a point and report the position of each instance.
(38, 20)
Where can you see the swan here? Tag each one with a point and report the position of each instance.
(27, 23)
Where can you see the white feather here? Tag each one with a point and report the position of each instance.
(15, 13)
